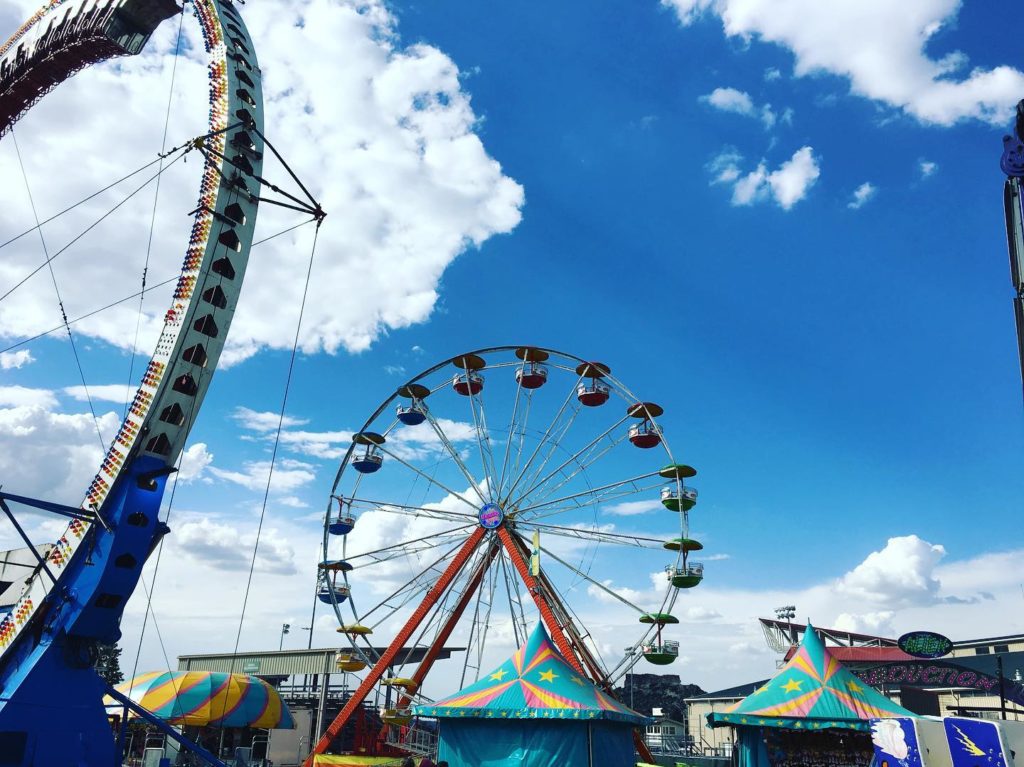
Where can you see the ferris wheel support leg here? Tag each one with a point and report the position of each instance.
(451, 622)
(538, 592)
(381, 666)
(515, 543)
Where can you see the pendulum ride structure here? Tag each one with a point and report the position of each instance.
(1012, 164)
(51, 698)
(527, 473)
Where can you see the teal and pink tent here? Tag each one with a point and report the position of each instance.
(812, 691)
(534, 710)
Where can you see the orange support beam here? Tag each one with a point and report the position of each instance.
(446, 630)
(537, 592)
(516, 547)
(381, 666)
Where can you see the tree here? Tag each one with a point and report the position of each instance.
(108, 663)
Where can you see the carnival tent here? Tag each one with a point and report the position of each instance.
(813, 691)
(212, 698)
(534, 710)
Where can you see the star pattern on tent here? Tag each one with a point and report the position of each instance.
(498, 675)
(854, 687)
(759, 690)
(577, 680)
(548, 676)
(793, 685)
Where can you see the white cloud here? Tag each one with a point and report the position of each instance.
(730, 100)
(785, 186)
(383, 133)
(878, 623)
(927, 168)
(288, 475)
(194, 462)
(879, 47)
(225, 547)
(117, 393)
(739, 102)
(23, 396)
(701, 614)
(901, 574)
(15, 360)
(47, 454)
(631, 508)
(771, 74)
(862, 194)
(264, 421)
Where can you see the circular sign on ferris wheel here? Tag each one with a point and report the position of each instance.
(491, 516)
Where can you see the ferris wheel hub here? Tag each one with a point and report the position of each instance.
(491, 515)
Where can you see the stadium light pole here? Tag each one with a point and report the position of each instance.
(285, 628)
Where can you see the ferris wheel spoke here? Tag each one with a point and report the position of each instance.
(540, 443)
(483, 440)
(597, 536)
(427, 538)
(585, 576)
(598, 493)
(607, 496)
(425, 476)
(404, 508)
(522, 439)
(512, 424)
(419, 583)
(580, 457)
(454, 453)
(556, 443)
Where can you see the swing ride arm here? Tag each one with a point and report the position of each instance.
(51, 698)
(381, 666)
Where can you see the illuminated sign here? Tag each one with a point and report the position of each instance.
(491, 516)
(925, 644)
(941, 674)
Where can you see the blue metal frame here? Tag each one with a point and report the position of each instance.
(128, 704)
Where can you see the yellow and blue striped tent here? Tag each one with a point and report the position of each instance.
(203, 698)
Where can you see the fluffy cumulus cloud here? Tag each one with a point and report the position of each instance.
(785, 186)
(49, 454)
(861, 195)
(901, 574)
(927, 168)
(15, 360)
(739, 102)
(225, 547)
(381, 132)
(879, 47)
(117, 393)
(194, 461)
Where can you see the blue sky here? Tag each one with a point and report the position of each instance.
(669, 188)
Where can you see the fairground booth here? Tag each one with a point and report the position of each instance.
(534, 710)
(812, 713)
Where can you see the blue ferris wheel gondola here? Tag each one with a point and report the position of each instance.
(413, 415)
(340, 593)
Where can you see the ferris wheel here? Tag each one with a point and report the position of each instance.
(476, 495)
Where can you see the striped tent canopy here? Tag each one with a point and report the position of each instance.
(535, 683)
(813, 691)
(208, 698)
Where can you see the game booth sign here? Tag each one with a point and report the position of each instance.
(926, 670)
(948, 742)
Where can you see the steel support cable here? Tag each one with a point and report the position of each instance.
(156, 199)
(56, 289)
(594, 581)
(88, 229)
(119, 301)
(273, 455)
(84, 200)
(413, 582)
